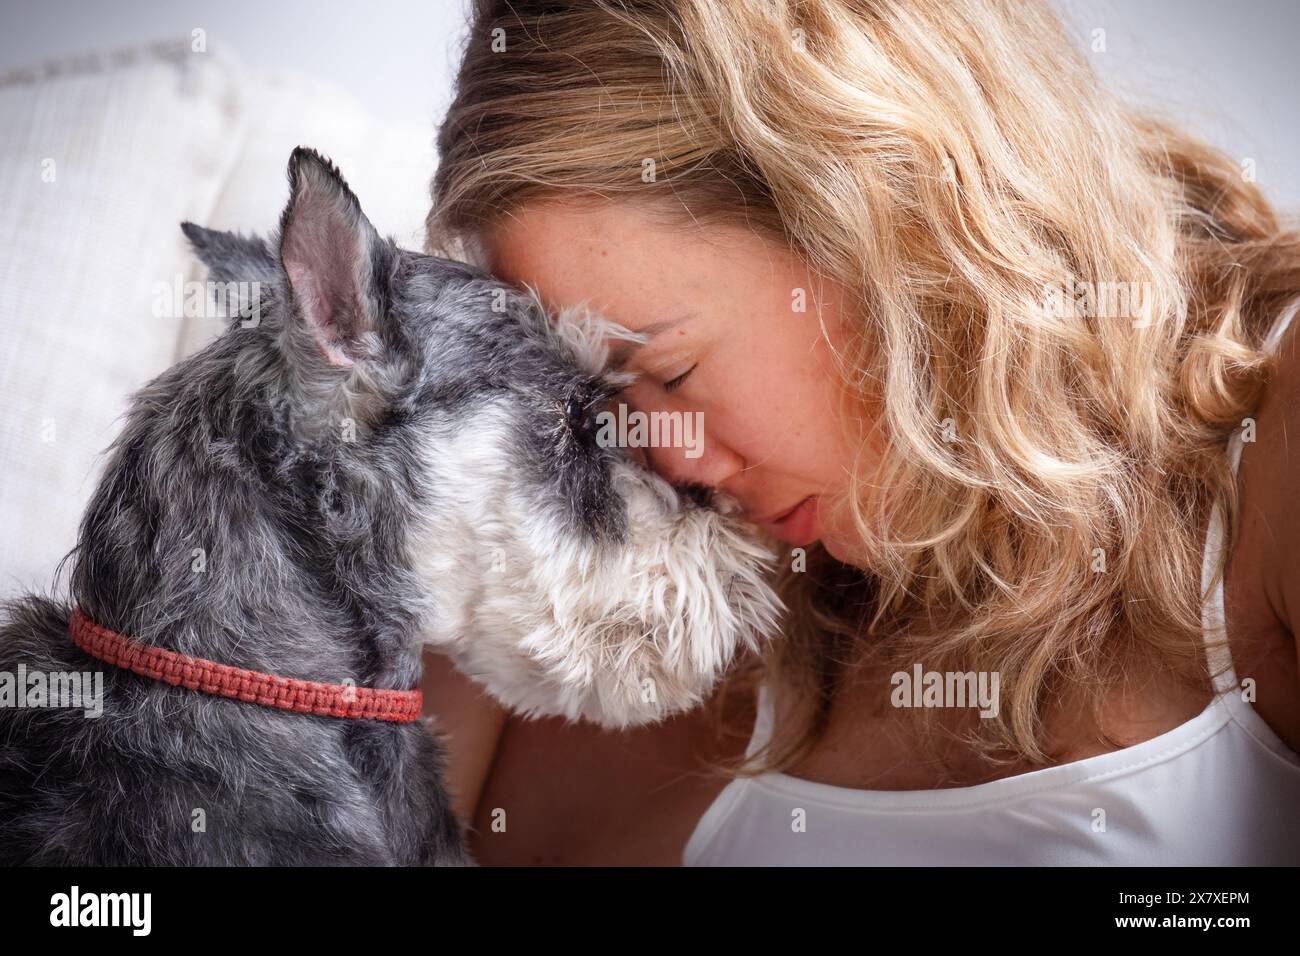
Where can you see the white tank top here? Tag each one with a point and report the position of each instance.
(1220, 790)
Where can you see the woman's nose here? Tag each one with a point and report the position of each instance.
(676, 440)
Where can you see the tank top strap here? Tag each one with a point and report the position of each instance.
(763, 719)
(1217, 652)
(1213, 616)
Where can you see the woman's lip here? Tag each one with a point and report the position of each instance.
(778, 518)
(798, 526)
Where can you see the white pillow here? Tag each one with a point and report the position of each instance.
(140, 141)
(97, 167)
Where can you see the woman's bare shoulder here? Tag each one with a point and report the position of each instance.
(1262, 589)
(571, 793)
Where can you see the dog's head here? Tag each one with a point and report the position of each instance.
(556, 570)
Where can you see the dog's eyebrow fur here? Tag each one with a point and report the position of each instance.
(622, 351)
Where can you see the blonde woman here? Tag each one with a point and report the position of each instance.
(980, 347)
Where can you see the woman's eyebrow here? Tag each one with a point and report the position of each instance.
(622, 351)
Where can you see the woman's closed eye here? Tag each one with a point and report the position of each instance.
(673, 383)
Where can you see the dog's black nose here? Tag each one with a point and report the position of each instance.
(702, 495)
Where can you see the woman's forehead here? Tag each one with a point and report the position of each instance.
(602, 259)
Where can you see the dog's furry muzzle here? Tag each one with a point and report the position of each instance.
(553, 623)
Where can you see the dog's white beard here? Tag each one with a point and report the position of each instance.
(617, 634)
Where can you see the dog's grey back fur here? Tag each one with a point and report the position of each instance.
(270, 787)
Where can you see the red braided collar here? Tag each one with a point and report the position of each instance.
(269, 690)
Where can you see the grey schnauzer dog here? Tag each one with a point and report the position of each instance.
(398, 451)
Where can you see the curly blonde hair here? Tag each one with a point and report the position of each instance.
(951, 162)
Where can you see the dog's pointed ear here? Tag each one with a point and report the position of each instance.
(327, 250)
(231, 257)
